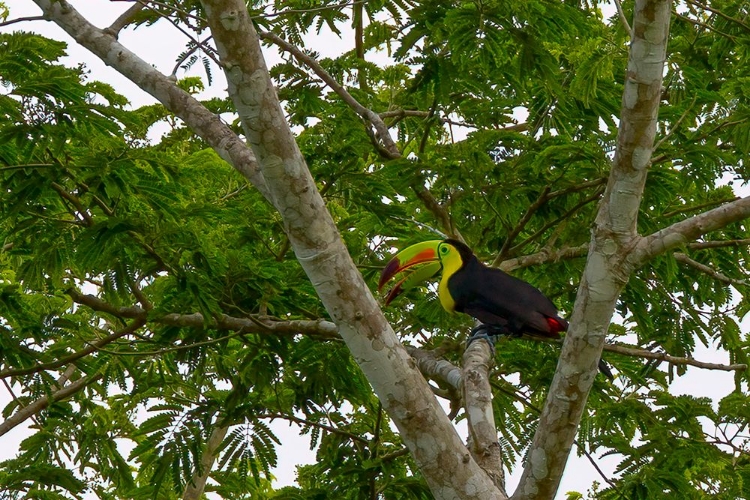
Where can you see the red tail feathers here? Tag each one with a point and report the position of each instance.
(557, 325)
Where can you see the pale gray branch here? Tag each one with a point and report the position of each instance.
(253, 324)
(607, 269)
(686, 231)
(623, 18)
(483, 442)
(543, 257)
(40, 404)
(22, 20)
(405, 395)
(700, 245)
(200, 120)
(194, 490)
(638, 352)
(125, 19)
(674, 360)
(435, 368)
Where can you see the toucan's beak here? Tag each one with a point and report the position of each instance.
(419, 261)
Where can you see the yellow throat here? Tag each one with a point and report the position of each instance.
(450, 260)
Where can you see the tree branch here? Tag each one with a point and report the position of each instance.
(638, 352)
(623, 18)
(400, 114)
(557, 221)
(681, 257)
(382, 133)
(674, 360)
(675, 126)
(607, 269)
(701, 245)
(309, 423)
(483, 443)
(719, 13)
(201, 121)
(404, 393)
(85, 215)
(92, 347)
(541, 200)
(194, 490)
(436, 368)
(699, 207)
(438, 210)
(251, 324)
(125, 19)
(544, 256)
(545, 196)
(40, 404)
(682, 232)
(22, 20)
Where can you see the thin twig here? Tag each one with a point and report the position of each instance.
(637, 352)
(422, 225)
(92, 347)
(125, 19)
(382, 133)
(525, 218)
(545, 196)
(555, 222)
(438, 210)
(700, 245)
(22, 20)
(623, 18)
(76, 203)
(681, 257)
(695, 208)
(206, 49)
(676, 124)
(320, 328)
(303, 422)
(704, 25)
(719, 13)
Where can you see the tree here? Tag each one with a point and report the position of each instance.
(144, 275)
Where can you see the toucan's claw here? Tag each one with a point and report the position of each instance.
(490, 333)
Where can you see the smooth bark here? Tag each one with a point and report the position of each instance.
(194, 490)
(439, 452)
(480, 417)
(606, 271)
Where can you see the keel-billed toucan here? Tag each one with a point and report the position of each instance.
(504, 304)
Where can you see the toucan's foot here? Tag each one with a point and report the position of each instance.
(490, 333)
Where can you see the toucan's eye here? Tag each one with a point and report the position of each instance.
(444, 249)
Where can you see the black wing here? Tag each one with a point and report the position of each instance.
(497, 298)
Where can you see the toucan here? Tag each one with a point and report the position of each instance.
(505, 305)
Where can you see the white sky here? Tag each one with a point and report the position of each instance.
(295, 448)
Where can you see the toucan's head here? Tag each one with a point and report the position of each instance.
(423, 261)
